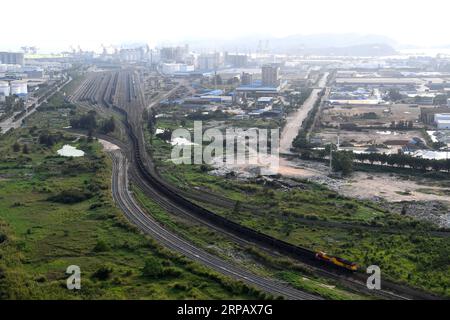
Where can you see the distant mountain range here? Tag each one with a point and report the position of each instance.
(318, 44)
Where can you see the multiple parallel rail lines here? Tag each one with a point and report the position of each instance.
(122, 89)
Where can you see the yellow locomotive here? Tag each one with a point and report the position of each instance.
(342, 263)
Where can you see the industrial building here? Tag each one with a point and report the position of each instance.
(427, 115)
(442, 121)
(174, 68)
(12, 58)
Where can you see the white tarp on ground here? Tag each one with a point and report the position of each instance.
(69, 151)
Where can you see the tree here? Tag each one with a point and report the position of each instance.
(87, 121)
(440, 99)
(152, 268)
(16, 147)
(342, 162)
(237, 207)
(25, 149)
(394, 95)
(108, 126)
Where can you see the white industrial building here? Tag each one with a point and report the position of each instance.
(443, 125)
(442, 121)
(172, 68)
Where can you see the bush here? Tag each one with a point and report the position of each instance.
(152, 268)
(101, 246)
(171, 272)
(3, 238)
(70, 196)
(103, 273)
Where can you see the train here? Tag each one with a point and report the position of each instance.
(339, 262)
(207, 215)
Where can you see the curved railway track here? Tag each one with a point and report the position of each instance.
(167, 196)
(145, 223)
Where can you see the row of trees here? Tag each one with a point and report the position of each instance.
(403, 160)
(342, 161)
(49, 139)
(301, 141)
(89, 122)
(17, 147)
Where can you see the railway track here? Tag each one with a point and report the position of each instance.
(168, 197)
(145, 223)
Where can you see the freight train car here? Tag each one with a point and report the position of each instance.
(339, 262)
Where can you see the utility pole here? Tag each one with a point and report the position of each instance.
(337, 147)
(331, 157)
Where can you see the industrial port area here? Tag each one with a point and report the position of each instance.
(297, 167)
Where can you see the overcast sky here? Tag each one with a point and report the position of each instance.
(53, 25)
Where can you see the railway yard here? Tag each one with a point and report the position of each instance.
(267, 232)
(120, 93)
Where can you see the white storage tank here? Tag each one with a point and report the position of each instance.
(19, 87)
(4, 89)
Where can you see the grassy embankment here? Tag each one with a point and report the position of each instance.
(357, 230)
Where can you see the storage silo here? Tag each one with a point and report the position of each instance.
(4, 89)
(19, 87)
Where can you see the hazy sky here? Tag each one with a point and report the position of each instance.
(53, 25)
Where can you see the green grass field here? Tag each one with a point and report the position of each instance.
(56, 212)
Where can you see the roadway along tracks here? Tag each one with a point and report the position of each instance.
(148, 225)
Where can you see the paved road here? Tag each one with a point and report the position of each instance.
(147, 224)
(295, 120)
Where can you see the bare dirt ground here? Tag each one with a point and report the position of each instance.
(421, 198)
(389, 187)
(108, 146)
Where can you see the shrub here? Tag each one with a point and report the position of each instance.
(103, 273)
(101, 246)
(152, 268)
(70, 196)
(3, 238)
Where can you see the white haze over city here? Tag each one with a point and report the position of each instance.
(56, 25)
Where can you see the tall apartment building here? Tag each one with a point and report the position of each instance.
(209, 61)
(271, 75)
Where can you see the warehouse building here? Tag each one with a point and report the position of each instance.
(442, 121)
(427, 114)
